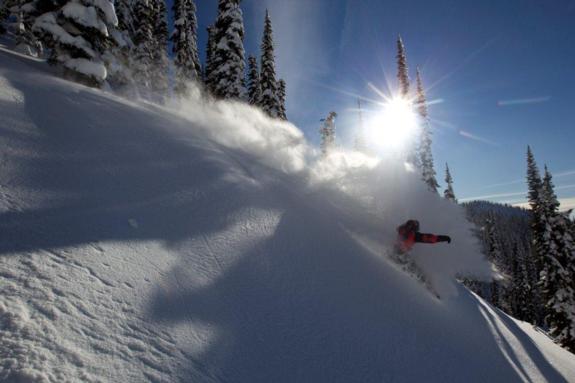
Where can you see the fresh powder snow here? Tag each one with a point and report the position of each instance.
(204, 242)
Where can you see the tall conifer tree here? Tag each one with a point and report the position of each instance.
(534, 184)
(449, 193)
(425, 160)
(254, 89)
(226, 75)
(282, 99)
(402, 71)
(185, 45)
(144, 46)
(558, 271)
(270, 101)
(160, 59)
(208, 67)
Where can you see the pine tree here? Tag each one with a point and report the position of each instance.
(185, 45)
(160, 61)
(124, 11)
(531, 297)
(209, 65)
(226, 75)
(327, 133)
(144, 46)
(558, 267)
(29, 41)
(282, 100)
(78, 33)
(24, 13)
(495, 255)
(254, 89)
(534, 184)
(519, 295)
(516, 283)
(424, 146)
(270, 102)
(120, 58)
(402, 71)
(449, 193)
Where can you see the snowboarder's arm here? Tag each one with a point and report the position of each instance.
(425, 238)
(431, 238)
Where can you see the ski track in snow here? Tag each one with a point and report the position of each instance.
(201, 264)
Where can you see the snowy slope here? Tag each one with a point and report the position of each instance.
(138, 245)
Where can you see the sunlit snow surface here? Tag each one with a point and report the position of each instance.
(202, 242)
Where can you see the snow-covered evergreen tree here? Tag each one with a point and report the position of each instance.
(270, 102)
(120, 58)
(19, 16)
(185, 45)
(282, 100)
(144, 46)
(538, 251)
(496, 255)
(160, 61)
(226, 74)
(558, 271)
(254, 89)
(124, 11)
(449, 193)
(534, 184)
(402, 71)
(519, 291)
(78, 33)
(425, 160)
(208, 67)
(327, 133)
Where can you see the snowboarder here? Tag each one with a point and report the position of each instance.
(408, 234)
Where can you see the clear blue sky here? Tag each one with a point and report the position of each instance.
(476, 57)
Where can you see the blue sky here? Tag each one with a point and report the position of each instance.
(503, 70)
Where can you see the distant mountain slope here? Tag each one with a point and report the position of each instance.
(137, 245)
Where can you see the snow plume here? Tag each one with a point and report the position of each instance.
(377, 194)
(392, 192)
(237, 125)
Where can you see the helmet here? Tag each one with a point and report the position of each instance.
(412, 225)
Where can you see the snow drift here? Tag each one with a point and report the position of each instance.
(206, 243)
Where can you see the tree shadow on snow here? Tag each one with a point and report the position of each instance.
(105, 184)
(531, 349)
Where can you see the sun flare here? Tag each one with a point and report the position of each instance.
(394, 125)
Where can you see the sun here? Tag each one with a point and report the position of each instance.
(394, 126)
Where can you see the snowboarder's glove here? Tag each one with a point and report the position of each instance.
(444, 238)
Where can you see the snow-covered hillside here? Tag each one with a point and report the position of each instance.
(205, 243)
